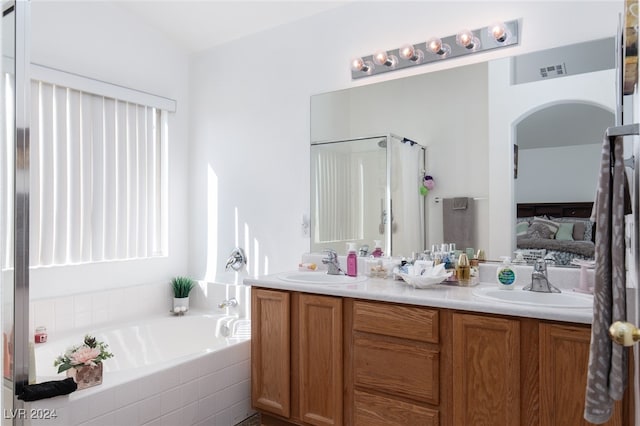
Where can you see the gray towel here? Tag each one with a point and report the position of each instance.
(607, 375)
(460, 203)
(459, 222)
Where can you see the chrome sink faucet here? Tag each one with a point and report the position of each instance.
(539, 281)
(332, 262)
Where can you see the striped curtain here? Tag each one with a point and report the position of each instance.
(95, 178)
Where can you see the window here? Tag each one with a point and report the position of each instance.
(95, 178)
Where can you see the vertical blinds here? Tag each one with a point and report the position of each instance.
(95, 178)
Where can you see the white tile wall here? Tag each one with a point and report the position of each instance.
(91, 310)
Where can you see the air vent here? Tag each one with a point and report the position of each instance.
(553, 71)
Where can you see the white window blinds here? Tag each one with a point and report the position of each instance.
(96, 178)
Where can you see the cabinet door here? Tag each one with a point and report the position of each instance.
(320, 357)
(564, 360)
(270, 349)
(486, 377)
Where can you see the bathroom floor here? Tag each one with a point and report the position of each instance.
(251, 421)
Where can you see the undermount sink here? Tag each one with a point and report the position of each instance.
(320, 278)
(551, 300)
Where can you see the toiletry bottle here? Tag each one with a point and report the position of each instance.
(505, 274)
(352, 260)
(463, 269)
(377, 250)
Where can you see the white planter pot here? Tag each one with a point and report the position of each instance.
(181, 302)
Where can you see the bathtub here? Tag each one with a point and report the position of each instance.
(166, 370)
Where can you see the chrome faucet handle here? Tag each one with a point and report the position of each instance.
(332, 256)
(236, 260)
(228, 303)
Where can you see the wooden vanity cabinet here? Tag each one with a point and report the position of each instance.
(564, 358)
(324, 360)
(515, 371)
(394, 365)
(296, 352)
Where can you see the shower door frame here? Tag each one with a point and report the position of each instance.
(21, 193)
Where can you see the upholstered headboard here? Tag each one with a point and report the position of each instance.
(582, 209)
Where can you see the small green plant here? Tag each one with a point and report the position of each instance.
(182, 286)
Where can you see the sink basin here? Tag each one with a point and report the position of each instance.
(320, 278)
(550, 300)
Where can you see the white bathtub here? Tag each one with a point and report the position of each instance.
(169, 370)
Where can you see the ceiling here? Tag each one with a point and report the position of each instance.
(198, 25)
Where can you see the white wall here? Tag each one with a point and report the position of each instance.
(101, 40)
(559, 174)
(250, 103)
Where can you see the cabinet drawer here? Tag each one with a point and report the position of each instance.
(375, 410)
(404, 369)
(407, 322)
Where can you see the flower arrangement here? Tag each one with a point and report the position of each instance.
(182, 286)
(90, 353)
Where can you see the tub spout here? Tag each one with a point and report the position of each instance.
(228, 303)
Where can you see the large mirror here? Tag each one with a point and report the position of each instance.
(542, 96)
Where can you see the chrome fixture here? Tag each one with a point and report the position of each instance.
(363, 251)
(496, 35)
(228, 303)
(236, 260)
(539, 281)
(332, 262)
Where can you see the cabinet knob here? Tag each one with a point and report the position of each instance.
(624, 333)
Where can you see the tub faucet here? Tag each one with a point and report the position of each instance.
(539, 281)
(228, 303)
(332, 262)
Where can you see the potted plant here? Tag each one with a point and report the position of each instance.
(181, 288)
(84, 362)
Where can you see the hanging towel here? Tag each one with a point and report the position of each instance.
(459, 223)
(607, 374)
(460, 203)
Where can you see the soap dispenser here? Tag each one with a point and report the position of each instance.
(505, 274)
(377, 250)
(352, 260)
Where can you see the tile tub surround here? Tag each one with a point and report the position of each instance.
(203, 389)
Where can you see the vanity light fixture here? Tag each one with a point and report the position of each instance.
(468, 40)
(494, 36)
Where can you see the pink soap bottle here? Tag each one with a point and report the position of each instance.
(352, 260)
(377, 250)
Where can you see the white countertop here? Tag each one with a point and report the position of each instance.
(440, 296)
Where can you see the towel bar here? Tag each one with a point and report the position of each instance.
(626, 130)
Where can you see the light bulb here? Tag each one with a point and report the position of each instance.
(358, 64)
(435, 45)
(410, 53)
(466, 39)
(380, 57)
(499, 32)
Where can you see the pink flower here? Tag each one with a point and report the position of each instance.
(84, 355)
